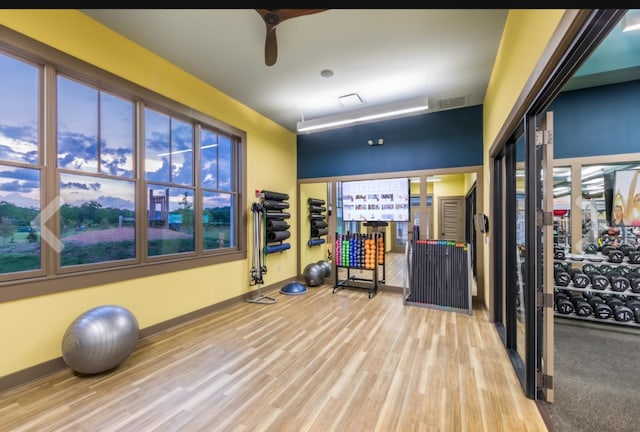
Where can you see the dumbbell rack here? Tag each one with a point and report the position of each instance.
(360, 252)
(598, 262)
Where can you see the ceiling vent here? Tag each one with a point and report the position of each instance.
(350, 100)
(454, 102)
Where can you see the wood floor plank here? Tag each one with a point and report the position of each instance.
(321, 361)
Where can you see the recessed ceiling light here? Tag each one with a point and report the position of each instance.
(326, 73)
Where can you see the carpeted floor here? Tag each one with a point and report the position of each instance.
(596, 377)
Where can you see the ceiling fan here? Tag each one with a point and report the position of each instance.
(273, 17)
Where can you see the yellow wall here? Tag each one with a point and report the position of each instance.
(31, 330)
(526, 34)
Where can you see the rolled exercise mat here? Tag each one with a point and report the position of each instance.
(277, 215)
(277, 235)
(315, 202)
(276, 248)
(316, 217)
(275, 205)
(315, 242)
(317, 232)
(316, 223)
(277, 225)
(317, 209)
(277, 196)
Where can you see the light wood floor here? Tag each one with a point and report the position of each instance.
(313, 362)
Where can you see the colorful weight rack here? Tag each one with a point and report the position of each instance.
(361, 252)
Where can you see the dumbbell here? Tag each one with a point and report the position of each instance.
(600, 308)
(591, 249)
(581, 306)
(634, 305)
(588, 267)
(616, 256)
(558, 253)
(634, 278)
(623, 269)
(580, 280)
(563, 304)
(605, 268)
(634, 257)
(620, 311)
(626, 249)
(618, 282)
(559, 266)
(607, 249)
(562, 278)
(598, 281)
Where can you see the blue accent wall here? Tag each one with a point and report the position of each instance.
(597, 121)
(594, 121)
(442, 139)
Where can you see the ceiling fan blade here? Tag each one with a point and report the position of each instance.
(271, 47)
(273, 17)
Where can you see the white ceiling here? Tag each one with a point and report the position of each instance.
(383, 55)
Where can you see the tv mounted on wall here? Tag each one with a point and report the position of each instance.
(380, 200)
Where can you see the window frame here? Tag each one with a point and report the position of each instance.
(51, 278)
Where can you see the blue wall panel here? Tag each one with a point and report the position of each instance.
(588, 122)
(442, 139)
(597, 121)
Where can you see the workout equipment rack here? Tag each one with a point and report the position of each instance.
(598, 288)
(361, 252)
(269, 226)
(439, 275)
(318, 221)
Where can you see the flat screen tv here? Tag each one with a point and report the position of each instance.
(380, 200)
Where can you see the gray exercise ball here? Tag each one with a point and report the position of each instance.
(100, 339)
(313, 275)
(326, 267)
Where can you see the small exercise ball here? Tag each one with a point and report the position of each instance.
(313, 275)
(326, 267)
(100, 339)
(293, 288)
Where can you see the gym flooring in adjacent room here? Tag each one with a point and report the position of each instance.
(596, 378)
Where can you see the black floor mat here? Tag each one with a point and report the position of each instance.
(596, 377)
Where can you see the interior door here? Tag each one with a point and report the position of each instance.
(451, 218)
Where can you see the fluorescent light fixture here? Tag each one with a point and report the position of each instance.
(399, 109)
(595, 180)
(631, 21)
(434, 179)
(593, 187)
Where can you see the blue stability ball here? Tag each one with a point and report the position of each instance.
(326, 267)
(100, 339)
(293, 288)
(313, 275)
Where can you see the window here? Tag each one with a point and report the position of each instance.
(133, 183)
(20, 166)
(95, 148)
